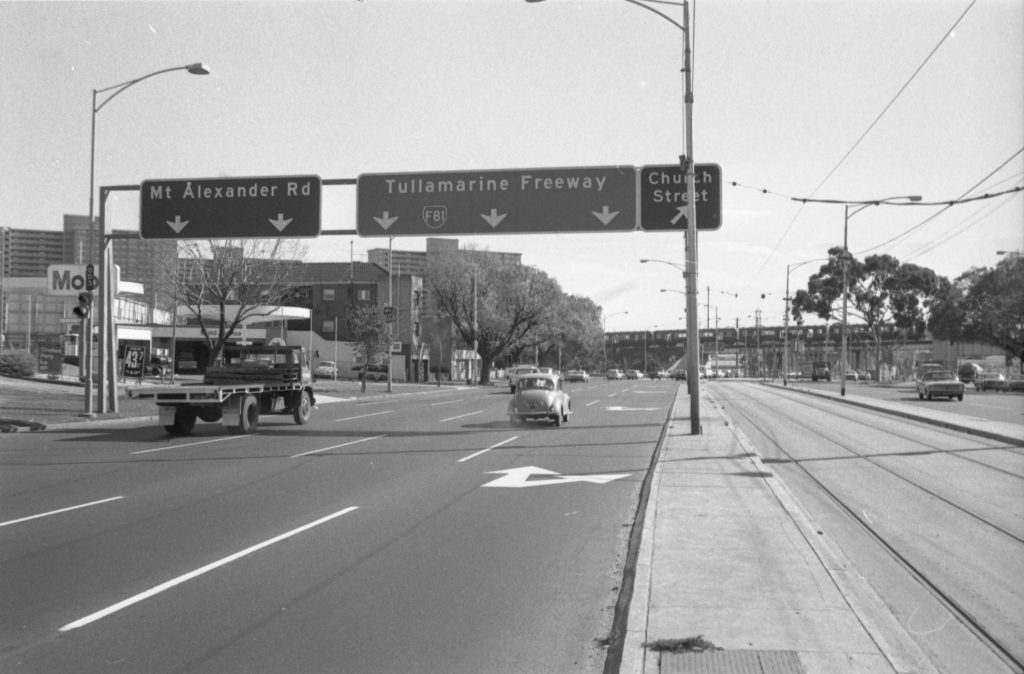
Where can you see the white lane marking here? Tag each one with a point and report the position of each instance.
(461, 416)
(363, 416)
(187, 444)
(593, 402)
(447, 402)
(482, 451)
(93, 617)
(517, 478)
(344, 444)
(62, 510)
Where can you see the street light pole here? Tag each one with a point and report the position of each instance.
(105, 308)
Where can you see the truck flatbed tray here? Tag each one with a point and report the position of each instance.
(203, 393)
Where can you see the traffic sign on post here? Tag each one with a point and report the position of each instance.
(226, 208)
(514, 201)
(663, 197)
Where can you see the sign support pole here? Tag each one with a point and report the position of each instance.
(693, 336)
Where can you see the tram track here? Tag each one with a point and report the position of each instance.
(964, 615)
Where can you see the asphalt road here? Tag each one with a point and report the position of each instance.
(931, 517)
(411, 533)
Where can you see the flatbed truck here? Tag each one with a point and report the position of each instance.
(251, 381)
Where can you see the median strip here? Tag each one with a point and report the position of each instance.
(114, 608)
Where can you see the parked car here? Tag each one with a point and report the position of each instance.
(851, 375)
(968, 372)
(615, 374)
(373, 372)
(326, 370)
(657, 374)
(159, 366)
(1016, 382)
(539, 396)
(577, 375)
(942, 383)
(678, 374)
(516, 371)
(991, 381)
(634, 374)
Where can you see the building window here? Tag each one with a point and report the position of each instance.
(328, 326)
(363, 295)
(328, 294)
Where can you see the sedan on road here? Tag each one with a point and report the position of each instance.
(577, 375)
(941, 383)
(991, 381)
(539, 396)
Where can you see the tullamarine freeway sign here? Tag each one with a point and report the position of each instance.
(227, 208)
(513, 201)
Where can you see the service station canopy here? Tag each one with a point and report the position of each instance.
(229, 208)
(533, 201)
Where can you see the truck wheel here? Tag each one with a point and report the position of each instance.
(184, 421)
(249, 417)
(302, 409)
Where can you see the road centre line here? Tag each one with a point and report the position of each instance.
(326, 449)
(592, 402)
(62, 510)
(447, 402)
(113, 608)
(187, 444)
(482, 451)
(363, 416)
(461, 416)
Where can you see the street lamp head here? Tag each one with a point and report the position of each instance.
(198, 69)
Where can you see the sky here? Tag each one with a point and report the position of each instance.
(847, 100)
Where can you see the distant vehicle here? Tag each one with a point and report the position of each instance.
(1016, 383)
(159, 366)
(515, 371)
(615, 374)
(991, 381)
(326, 370)
(539, 396)
(546, 370)
(373, 372)
(577, 375)
(968, 372)
(941, 383)
(678, 374)
(851, 375)
(819, 370)
(634, 374)
(187, 363)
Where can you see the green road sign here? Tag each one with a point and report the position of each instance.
(229, 208)
(514, 201)
(663, 197)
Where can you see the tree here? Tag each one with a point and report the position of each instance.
(371, 334)
(575, 335)
(881, 291)
(240, 279)
(509, 302)
(989, 303)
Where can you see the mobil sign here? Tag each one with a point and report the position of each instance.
(70, 279)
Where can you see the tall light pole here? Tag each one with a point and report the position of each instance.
(105, 305)
(604, 333)
(785, 320)
(686, 166)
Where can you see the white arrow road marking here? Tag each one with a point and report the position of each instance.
(631, 409)
(62, 510)
(385, 220)
(517, 478)
(604, 216)
(679, 215)
(493, 219)
(280, 223)
(114, 608)
(177, 224)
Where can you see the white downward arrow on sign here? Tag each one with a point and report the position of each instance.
(281, 223)
(604, 216)
(177, 224)
(385, 221)
(493, 219)
(517, 478)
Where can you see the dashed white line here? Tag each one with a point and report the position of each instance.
(62, 510)
(93, 617)
(364, 416)
(327, 449)
(461, 416)
(482, 451)
(187, 444)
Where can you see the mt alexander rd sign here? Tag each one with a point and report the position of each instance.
(229, 208)
(515, 201)
(663, 197)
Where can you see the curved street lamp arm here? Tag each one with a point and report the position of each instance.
(661, 14)
(194, 68)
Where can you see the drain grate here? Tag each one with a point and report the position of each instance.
(732, 662)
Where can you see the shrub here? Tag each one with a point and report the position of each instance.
(17, 363)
